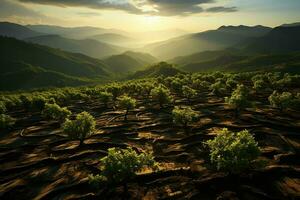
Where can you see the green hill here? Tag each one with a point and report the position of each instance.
(274, 62)
(224, 37)
(28, 77)
(213, 64)
(88, 47)
(129, 62)
(80, 32)
(145, 58)
(160, 69)
(202, 56)
(25, 65)
(280, 40)
(112, 38)
(17, 31)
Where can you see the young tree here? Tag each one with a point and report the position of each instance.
(260, 85)
(238, 99)
(80, 128)
(161, 94)
(38, 102)
(218, 88)
(184, 116)
(105, 97)
(281, 101)
(188, 92)
(6, 121)
(121, 165)
(54, 111)
(231, 83)
(146, 88)
(233, 152)
(126, 103)
(176, 85)
(115, 90)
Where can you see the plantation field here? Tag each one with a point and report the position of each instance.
(39, 160)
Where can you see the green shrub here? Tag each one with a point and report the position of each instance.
(218, 88)
(127, 103)
(2, 107)
(161, 94)
(80, 128)
(6, 121)
(54, 111)
(233, 151)
(231, 83)
(115, 89)
(238, 99)
(38, 102)
(184, 115)
(260, 85)
(121, 165)
(176, 85)
(105, 97)
(188, 92)
(281, 101)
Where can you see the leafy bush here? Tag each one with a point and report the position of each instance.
(260, 85)
(105, 97)
(281, 101)
(161, 94)
(176, 85)
(2, 107)
(231, 83)
(200, 85)
(188, 92)
(115, 90)
(233, 151)
(38, 102)
(184, 115)
(238, 99)
(126, 103)
(218, 88)
(6, 121)
(80, 128)
(146, 88)
(121, 165)
(54, 111)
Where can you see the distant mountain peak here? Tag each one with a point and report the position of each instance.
(242, 27)
(291, 25)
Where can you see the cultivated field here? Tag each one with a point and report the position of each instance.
(40, 161)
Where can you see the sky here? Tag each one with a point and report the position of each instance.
(151, 15)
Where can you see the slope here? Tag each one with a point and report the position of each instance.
(129, 62)
(224, 37)
(81, 32)
(17, 31)
(19, 58)
(89, 47)
(113, 38)
(279, 40)
(156, 70)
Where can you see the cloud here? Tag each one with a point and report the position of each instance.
(125, 5)
(150, 7)
(88, 14)
(221, 9)
(13, 9)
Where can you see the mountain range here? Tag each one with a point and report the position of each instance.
(89, 47)
(223, 37)
(42, 56)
